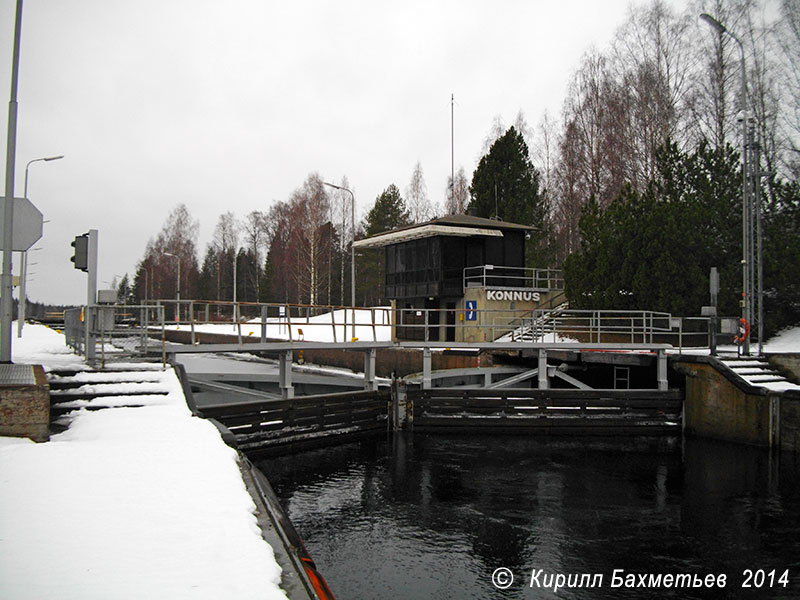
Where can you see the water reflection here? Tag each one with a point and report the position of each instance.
(434, 516)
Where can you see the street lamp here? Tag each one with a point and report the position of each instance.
(8, 210)
(748, 208)
(24, 255)
(177, 287)
(352, 250)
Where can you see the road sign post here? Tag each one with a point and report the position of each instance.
(26, 222)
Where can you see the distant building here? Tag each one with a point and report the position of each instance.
(446, 276)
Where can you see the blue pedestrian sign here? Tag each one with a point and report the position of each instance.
(472, 312)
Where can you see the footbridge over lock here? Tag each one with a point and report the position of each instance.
(563, 372)
(543, 400)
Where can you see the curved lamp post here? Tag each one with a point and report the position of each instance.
(24, 255)
(352, 251)
(749, 259)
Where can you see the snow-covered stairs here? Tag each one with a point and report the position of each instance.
(757, 371)
(531, 330)
(108, 388)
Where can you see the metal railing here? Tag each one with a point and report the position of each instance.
(513, 277)
(122, 331)
(596, 326)
(117, 331)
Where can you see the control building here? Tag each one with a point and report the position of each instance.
(461, 278)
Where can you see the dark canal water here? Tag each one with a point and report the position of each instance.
(435, 516)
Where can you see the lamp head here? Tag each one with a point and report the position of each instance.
(713, 22)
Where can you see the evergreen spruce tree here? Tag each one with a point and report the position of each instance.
(505, 185)
(207, 280)
(389, 212)
(654, 250)
(781, 257)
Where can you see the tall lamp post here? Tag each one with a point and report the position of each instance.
(749, 207)
(352, 251)
(177, 286)
(24, 255)
(8, 210)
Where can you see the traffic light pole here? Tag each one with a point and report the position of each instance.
(91, 296)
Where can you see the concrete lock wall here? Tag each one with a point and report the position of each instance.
(788, 364)
(719, 406)
(790, 422)
(716, 408)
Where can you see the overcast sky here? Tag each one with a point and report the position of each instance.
(229, 105)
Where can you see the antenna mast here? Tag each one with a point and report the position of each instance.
(459, 207)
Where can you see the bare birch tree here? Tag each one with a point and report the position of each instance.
(496, 131)
(226, 244)
(788, 35)
(417, 201)
(178, 236)
(310, 207)
(255, 232)
(457, 193)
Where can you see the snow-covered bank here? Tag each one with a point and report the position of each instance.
(371, 325)
(786, 341)
(143, 502)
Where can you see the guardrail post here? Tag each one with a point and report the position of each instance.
(237, 316)
(264, 324)
(398, 404)
(426, 368)
(191, 321)
(285, 375)
(369, 370)
(91, 341)
(543, 383)
(663, 384)
(774, 420)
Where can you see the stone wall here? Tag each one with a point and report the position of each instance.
(25, 403)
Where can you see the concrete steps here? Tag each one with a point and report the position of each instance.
(754, 370)
(528, 331)
(100, 389)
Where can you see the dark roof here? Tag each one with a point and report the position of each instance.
(453, 225)
(462, 221)
(470, 221)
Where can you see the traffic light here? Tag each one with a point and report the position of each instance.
(81, 256)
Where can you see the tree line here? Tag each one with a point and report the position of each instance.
(633, 190)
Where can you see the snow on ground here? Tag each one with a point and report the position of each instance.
(327, 327)
(786, 341)
(41, 345)
(135, 503)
